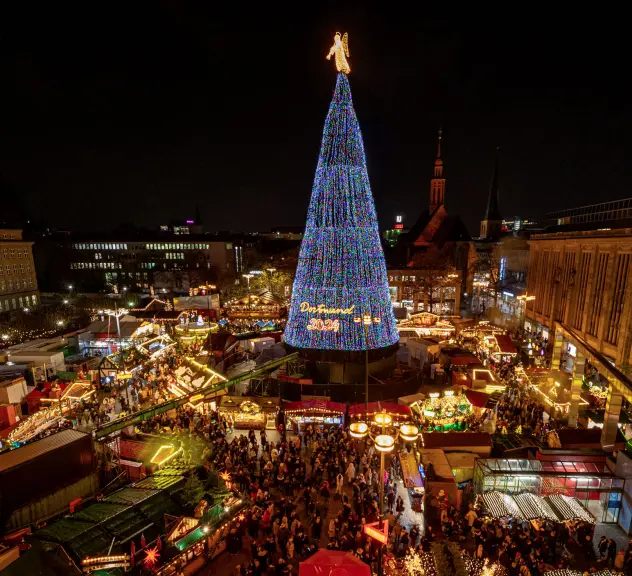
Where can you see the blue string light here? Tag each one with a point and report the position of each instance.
(341, 273)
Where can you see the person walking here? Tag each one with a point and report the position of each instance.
(612, 552)
(340, 480)
(350, 472)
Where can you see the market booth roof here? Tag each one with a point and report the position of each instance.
(475, 398)
(376, 407)
(333, 563)
(315, 407)
(505, 345)
(455, 439)
(267, 403)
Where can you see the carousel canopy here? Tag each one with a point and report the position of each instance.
(375, 407)
(333, 563)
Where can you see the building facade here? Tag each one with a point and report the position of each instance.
(422, 290)
(581, 290)
(582, 279)
(18, 280)
(163, 262)
(425, 261)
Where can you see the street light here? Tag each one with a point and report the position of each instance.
(384, 443)
(60, 322)
(248, 277)
(367, 320)
(66, 301)
(271, 271)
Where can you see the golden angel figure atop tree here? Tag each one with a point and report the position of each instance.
(340, 50)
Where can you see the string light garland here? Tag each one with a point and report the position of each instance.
(528, 506)
(495, 505)
(566, 572)
(512, 507)
(569, 508)
(534, 507)
(341, 271)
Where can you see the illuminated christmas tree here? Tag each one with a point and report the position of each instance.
(341, 273)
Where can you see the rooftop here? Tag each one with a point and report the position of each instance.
(17, 457)
(542, 467)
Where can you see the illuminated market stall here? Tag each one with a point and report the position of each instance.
(446, 412)
(318, 412)
(264, 305)
(590, 483)
(251, 412)
(155, 346)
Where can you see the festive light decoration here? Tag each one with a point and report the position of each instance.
(512, 507)
(340, 52)
(569, 508)
(533, 507)
(409, 432)
(341, 272)
(495, 505)
(358, 429)
(530, 507)
(151, 556)
(165, 453)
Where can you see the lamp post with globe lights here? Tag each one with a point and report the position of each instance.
(384, 436)
(248, 277)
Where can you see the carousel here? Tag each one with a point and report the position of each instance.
(428, 324)
(190, 333)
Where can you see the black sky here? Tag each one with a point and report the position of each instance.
(139, 113)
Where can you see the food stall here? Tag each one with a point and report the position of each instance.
(250, 412)
(320, 412)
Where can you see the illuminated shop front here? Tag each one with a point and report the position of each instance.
(590, 483)
(317, 412)
(252, 412)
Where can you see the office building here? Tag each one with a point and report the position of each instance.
(18, 281)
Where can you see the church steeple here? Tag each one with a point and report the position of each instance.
(491, 224)
(437, 184)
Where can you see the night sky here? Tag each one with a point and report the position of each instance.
(140, 114)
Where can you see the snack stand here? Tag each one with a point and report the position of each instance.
(250, 412)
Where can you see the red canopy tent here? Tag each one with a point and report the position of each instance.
(505, 345)
(375, 407)
(476, 398)
(333, 563)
